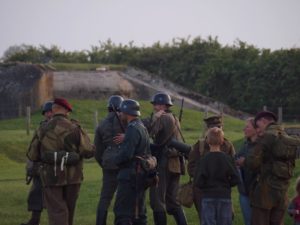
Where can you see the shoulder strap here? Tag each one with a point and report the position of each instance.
(201, 146)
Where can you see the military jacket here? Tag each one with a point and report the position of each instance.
(32, 168)
(106, 130)
(200, 148)
(271, 188)
(136, 143)
(162, 130)
(62, 134)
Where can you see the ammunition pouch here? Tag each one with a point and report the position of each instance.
(60, 157)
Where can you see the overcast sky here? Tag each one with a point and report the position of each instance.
(78, 24)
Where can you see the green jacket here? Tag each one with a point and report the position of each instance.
(61, 134)
(275, 172)
(162, 130)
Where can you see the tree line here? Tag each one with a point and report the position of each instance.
(240, 75)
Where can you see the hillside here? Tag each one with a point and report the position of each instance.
(14, 141)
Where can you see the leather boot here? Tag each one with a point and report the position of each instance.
(179, 217)
(35, 218)
(160, 218)
(101, 217)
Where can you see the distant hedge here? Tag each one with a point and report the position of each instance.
(240, 75)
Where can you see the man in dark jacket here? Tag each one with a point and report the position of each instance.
(107, 145)
(35, 197)
(130, 199)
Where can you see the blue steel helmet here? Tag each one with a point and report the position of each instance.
(47, 107)
(161, 99)
(114, 102)
(130, 107)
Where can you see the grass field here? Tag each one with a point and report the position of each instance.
(14, 141)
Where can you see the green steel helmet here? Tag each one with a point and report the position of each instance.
(114, 102)
(130, 107)
(47, 107)
(161, 99)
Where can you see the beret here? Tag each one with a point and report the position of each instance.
(263, 114)
(64, 103)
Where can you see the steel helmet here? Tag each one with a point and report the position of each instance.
(130, 107)
(161, 99)
(47, 107)
(114, 102)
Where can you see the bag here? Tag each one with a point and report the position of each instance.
(185, 194)
(284, 154)
(108, 157)
(148, 164)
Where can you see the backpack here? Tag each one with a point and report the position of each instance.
(284, 154)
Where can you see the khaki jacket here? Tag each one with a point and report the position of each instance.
(162, 130)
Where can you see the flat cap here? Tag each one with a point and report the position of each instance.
(64, 103)
(263, 114)
(213, 120)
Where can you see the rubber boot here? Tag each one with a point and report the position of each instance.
(179, 217)
(101, 217)
(160, 218)
(35, 218)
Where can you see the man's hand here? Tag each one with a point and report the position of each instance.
(119, 138)
(240, 161)
(159, 114)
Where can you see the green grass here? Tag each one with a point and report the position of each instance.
(14, 142)
(84, 66)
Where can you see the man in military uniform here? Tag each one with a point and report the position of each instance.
(63, 145)
(273, 158)
(199, 149)
(130, 206)
(106, 136)
(163, 126)
(35, 197)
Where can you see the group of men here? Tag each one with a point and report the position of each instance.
(122, 139)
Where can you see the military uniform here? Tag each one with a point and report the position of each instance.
(200, 148)
(35, 196)
(63, 145)
(105, 132)
(130, 206)
(269, 195)
(163, 198)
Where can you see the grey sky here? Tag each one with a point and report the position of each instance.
(78, 24)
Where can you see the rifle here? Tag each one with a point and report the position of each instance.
(119, 120)
(181, 110)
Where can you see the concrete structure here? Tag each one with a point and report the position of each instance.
(23, 85)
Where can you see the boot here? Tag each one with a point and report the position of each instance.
(160, 218)
(35, 218)
(179, 217)
(123, 222)
(101, 217)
